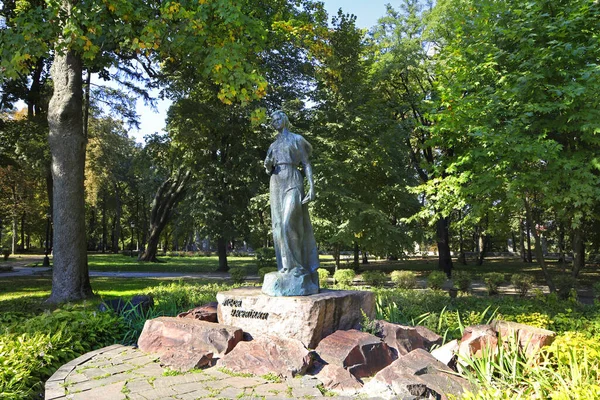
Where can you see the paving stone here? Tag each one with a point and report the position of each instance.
(139, 385)
(54, 392)
(149, 370)
(242, 382)
(93, 373)
(230, 392)
(135, 396)
(158, 393)
(117, 369)
(278, 398)
(188, 388)
(112, 392)
(299, 392)
(141, 360)
(215, 373)
(197, 394)
(270, 389)
(76, 378)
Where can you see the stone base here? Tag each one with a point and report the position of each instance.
(306, 318)
(279, 284)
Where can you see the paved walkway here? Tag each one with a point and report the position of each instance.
(122, 372)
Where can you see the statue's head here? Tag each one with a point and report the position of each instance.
(279, 120)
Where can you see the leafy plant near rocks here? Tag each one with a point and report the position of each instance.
(238, 274)
(265, 257)
(323, 277)
(492, 280)
(374, 278)
(344, 277)
(33, 347)
(265, 270)
(565, 285)
(462, 280)
(404, 279)
(522, 283)
(436, 279)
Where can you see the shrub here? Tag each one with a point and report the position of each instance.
(265, 257)
(596, 288)
(462, 280)
(374, 278)
(404, 279)
(323, 277)
(564, 285)
(238, 274)
(265, 270)
(5, 254)
(436, 279)
(344, 276)
(522, 283)
(492, 280)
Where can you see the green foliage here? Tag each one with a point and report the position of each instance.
(344, 277)
(522, 283)
(404, 279)
(33, 347)
(436, 279)
(462, 280)
(566, 284)
(596, 288)
(265, 270)
(323, 277)
(492, 280)
(172, 298)
(367, 324)
(375, 278)
(238, 274)
(265, 257)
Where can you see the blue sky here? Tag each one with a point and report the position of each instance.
(367, 13)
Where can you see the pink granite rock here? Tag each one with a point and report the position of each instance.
(359, 352)
(184, 360)
(418, 374)
(530, 338)
(475, 339)
(405, 339)
(269, 354)
(165, 333)
(339, 380)
(207, 312)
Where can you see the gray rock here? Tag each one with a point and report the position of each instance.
(405, 339)
(184, 359)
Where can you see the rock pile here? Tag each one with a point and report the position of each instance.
(396, 362)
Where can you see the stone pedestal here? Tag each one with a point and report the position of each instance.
(306, 318)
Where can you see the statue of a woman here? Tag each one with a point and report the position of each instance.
(295, 246)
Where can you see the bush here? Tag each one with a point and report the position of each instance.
(323, 277)
(492, 280)
(436, 279)
(596, 288)
(565, 284)
(522, 283)
(265, 257)
(404, 279)
(238, 274)
(374, 278)
(462, 280)
(5, 254)
(265, 270)
(32, 348)
(344, 276)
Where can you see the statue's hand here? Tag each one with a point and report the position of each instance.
(310, 196)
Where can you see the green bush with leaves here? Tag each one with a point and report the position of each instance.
(344, 277)
(323, 277)
(404, 279)
(265, 257)
(265, 270)
(565, 285)
(238, 274)
(33, 347)
(375, 278)
(462, 280)
(436, 279)
(522, 283)
(492, 280)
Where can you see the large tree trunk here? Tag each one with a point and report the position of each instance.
(356, 256)
(167, 196)
(118, 212)
(443, 244)
(70, 277)
(522, 241)
(222, 251)
(538, 247)
(578, 251)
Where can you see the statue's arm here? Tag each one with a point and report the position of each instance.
(269, 161)
(310, 196)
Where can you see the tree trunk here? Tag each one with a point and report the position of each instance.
(365, 257)
(578, 251)
(167, 196)
(538, 248)
(482, 245)
(528, 237)
(561, 246)
(70, 277)
(336, 256)
(522, 241)
(222, 251)
(443, 244)
(22, 246)
(104, 228)
(14, 235)
(356, 256)
(118, 212)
